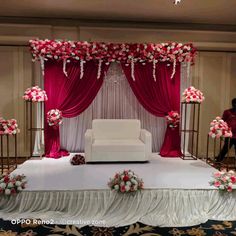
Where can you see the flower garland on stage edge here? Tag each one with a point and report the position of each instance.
(126, 182)
(129, 54)
(224, 180)
(11, 185)
(54, 117)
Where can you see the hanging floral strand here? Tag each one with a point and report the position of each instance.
(132, 69)
(188, 69)
(174, 66)
(154, 70)
(42, 64)
(64, 68)
(99, 69)
(81, 68)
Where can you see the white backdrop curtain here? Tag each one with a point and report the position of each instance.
(115, 100)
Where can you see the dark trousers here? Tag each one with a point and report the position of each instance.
(226, 148)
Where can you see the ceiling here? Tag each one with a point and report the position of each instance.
(188, 11)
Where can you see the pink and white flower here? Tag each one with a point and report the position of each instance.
(35, 94)
(219, 128)
(54, 117)
(224, 180)
(192, 95)
(125, 182)
(8, 126)
(173, 119)
(11, 185)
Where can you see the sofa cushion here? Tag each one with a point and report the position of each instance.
(116, 145)
(116, 129)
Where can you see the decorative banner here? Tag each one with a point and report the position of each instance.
(111, 52)
(219, 128)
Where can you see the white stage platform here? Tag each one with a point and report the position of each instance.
(177, 193)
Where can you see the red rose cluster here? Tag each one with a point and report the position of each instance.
(193, 95)
(219, 128)
(126, 182)
(77, 160)
(35, 94)
(54, 117)
(8, 126)
(110, 52)
(173, 119)
(11, 185)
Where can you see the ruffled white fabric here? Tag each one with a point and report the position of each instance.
(161, 207)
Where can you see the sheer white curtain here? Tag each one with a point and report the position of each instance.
(115, 100)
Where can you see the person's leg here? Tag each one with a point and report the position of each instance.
(224, 150)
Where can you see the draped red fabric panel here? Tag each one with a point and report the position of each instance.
(158, 97)
(71, 95)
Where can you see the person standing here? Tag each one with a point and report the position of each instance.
(229, 116)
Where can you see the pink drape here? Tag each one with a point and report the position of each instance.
(71, 95)
(158, 97)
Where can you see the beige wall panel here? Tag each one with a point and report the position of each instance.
(232, 73)
(65, 33)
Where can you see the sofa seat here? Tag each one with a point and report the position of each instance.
(117, 145)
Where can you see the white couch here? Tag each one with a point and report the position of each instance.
(114, 140)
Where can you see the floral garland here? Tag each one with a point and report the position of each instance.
(8, 126)
(129, 54)
(126, 182)
(223, 180)
(11, 185)
(54, 117)
(173, 119)
(219, 128)
(35, 94)
(192, 95)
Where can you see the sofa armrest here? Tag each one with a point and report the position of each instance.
(88, 144)
(146, 138)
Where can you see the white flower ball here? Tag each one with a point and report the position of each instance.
(18, 183)
(7, 191)
(19, 188)
(3, 185)
(10, 185)
(127, 188)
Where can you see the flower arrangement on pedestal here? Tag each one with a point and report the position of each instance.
(223, 180)
(219, 128)
(77, 160)
(54, 117)
(8, 126)
(192, 95)
(12, 185)
(173, 119)
(126, 182)
(35, 94)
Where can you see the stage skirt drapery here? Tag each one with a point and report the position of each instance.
(160, 207)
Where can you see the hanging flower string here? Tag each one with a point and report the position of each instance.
(81, 69)
(99, 69)
(112, 52)
(64, 68)
(132, 69)
(154, 70)
(173, 71)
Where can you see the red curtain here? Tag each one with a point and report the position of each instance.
(158, 97)
(71, 95)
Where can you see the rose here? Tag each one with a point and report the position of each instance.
(7, 191)
(217, 184)
(126, 178)
(233, 179)
(217, 174)
(3, 185)
(229, 188)
(116, 187)
(10, 185)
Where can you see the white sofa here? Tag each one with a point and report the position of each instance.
(114, 140)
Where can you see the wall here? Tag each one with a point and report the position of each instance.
(214, 72)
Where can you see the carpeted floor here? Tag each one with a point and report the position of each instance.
(214, 228)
